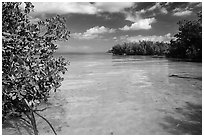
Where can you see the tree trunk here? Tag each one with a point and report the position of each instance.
(31, 117)
(33, 122)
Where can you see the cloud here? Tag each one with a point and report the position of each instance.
(80, 7)
(64, 7)
(112, 6)
(114, 38)
(154, 38)
(132, 18)
(99, 30)
(143, 18)
(179, 12)
(157, 7)
(93, 33)
(140, 24)
(163, 10)
(199, 4)
(186, 9)
(123, 38)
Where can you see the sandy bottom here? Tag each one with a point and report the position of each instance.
(125, 97)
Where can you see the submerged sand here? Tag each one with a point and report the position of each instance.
(125, 96)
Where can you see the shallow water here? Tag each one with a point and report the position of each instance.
(132, 95)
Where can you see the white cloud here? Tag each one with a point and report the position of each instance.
(182, 13)
(64, 7)
(157, 5)
(98, 30)
(112, 6)
(124, 37)
(80, 7)
(93, 33)
(84, 36)
(163, 10)
(143, 23)
(199, 4)
(177, 9)
(157, 8)
(114, 38)
(132, 17)
(154, 38)
(140, 24)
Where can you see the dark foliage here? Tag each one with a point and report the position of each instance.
(188, 44)
(140, 48)
(29, 69)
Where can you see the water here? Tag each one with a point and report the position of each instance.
(131, 95)
(93, 66)
(125, 95)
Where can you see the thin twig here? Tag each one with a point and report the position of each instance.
(25, 120)
(42, 109)
(34, 123)
(47, 122)
(30, 121)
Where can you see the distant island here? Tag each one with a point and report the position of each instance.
(186, 46)
(140, 48)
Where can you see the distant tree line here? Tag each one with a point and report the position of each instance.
(187, 45)
(140, 48)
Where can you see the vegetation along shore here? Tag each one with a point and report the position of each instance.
(187, 44)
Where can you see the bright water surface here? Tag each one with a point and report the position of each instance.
(131, 95)
(125, 95)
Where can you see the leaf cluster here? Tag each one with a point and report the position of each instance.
(188, 43)
(29, 70)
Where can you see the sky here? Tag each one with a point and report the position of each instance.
(97, 26)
